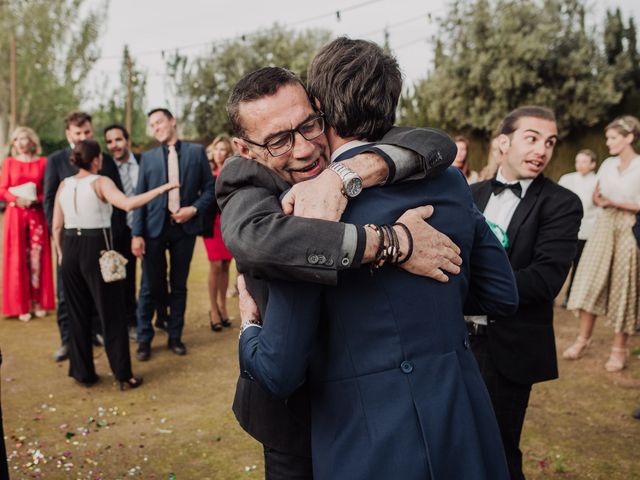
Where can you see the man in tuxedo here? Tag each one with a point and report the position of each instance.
(118, 143)
(169, 222)
(270, 245)
(537, 222)
(77, 127)
(395, 391)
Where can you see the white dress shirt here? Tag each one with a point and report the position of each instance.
(583, 186)
(499, 210)
(132, 169)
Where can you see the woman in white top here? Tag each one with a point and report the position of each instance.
(606, 281)
(583, 183)
(83, 207)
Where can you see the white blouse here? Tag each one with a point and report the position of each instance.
(620, 187)
(81, 206)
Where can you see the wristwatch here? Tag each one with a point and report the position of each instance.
(351, 181)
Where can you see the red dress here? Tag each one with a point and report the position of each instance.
(27, 270)
(215, 247)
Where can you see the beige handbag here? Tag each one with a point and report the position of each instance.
(112, 263)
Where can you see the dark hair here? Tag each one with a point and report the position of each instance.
(77, 119)
(261, 83)
(166, 111)
(117, 126)
(625, 125)
(358, 85)
(84, 153)
(589, 153)
(510, 123)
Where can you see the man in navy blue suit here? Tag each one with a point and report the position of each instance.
(168, 223)
(395, 390)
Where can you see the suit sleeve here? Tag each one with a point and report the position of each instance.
(205, 201)
(140, 214)
(264, 241)
(434, 152)
(553, 251)
(492, 285)
(277, 355)
(51, 182)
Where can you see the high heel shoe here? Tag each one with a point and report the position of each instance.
(217, 326)
(25, 317)
(578, 348)
(133, 382)
(224, 321)
(617, 359)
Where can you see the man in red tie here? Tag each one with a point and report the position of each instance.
(170, 222)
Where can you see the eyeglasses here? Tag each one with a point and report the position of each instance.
(283, 143)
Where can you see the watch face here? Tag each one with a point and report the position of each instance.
(353, 187)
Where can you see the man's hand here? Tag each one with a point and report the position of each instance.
(184, 214)
(433, 252)
(249, 312)
(137, 247)
(320, 197)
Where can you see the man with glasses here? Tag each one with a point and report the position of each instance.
(169, 222)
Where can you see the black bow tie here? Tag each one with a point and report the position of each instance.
(498, 187)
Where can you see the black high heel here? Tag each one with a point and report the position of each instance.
(224, 321)
(215, 327)
(132, 383)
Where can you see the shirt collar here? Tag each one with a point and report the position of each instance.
(347, 146)
(525, 184)
(132, 160)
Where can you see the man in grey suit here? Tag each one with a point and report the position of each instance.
(168, 223)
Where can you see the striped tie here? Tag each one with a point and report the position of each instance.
(123, 169)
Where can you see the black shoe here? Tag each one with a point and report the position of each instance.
(88, 383)
(98, 340)
(177, 347)
(225, 322)
(215, 327)
(62, 353)
(132, 383)
(144, 351)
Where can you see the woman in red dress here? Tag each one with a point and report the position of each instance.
(27, 279)
(219, 256)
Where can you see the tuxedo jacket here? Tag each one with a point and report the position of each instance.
(543, 234)
(59, 167)
(395, 390)
(267, 243)
(196, 189)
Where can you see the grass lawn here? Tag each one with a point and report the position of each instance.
(179, 424)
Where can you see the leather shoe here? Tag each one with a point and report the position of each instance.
(62, 353)
(144, 351)
(177, 347)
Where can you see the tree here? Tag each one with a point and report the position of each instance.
(203, 84)
(496, 56)
(114, 109)
(56, 48)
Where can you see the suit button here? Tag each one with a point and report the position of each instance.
(322, 259)
(406, 367)
(330, 262)
(345, 262)
(312, 259)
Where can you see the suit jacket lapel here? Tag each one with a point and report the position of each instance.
(483, 193)
(163, 164)
(523, 209)
(182, 162)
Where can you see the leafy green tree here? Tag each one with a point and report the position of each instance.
(498, 55)
(55, 50)
(114, 109)
(203, 84)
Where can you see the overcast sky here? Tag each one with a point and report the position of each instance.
(150, 26)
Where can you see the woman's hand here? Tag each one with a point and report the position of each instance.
(171, 185)
(23, 202)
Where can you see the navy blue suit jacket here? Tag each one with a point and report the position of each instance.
(395, 389)
(196, 189)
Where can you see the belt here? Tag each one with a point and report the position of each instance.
(89, 232)
(476, 329)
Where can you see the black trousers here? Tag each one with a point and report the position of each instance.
(510, 401)
(284, 466)
(4, 469)
(122, 244)
(576, 260)
(85, 290)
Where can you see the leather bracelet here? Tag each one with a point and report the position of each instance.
(409, 241)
